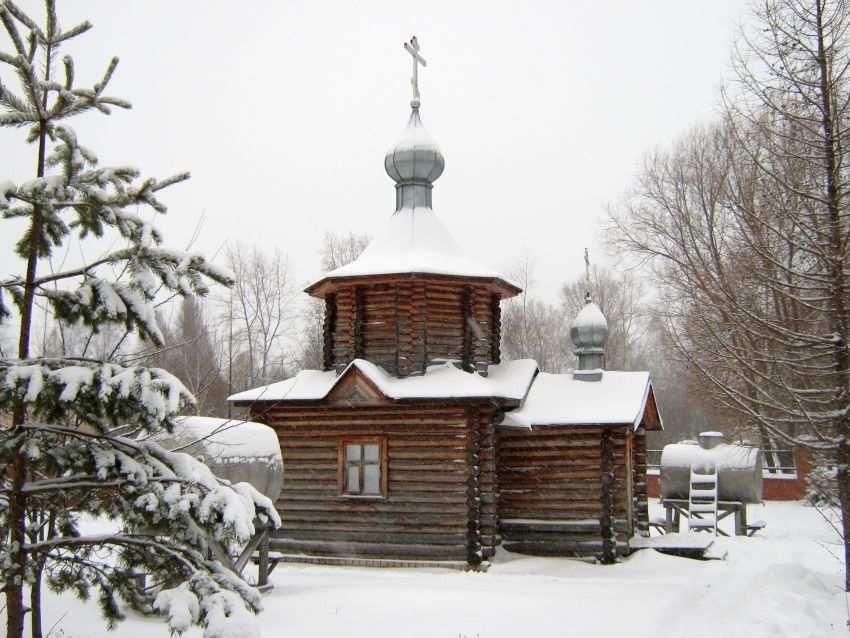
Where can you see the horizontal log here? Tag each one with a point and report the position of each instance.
(590, 528)
(365, 524)
(325, 500)
(294, 473)
(305, 454)
(328, 466)
(547, 463)
(576, 550)
(309, 486)
(434, 409)
(404, 453)
(550, 537)
(387, 551)
(566, 445)
(512, 435)
(388, 427)
(578, 511)
(426, 465)
(549, 485)
(373, 416)
(382, 537)
(534, 496)
(442, 488)
(509, 456)
(400, 477)
(576, 473)
(435, 519)
(427, 440)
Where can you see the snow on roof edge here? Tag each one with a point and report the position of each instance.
(510, 380)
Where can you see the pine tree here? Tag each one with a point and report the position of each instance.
(62, 456)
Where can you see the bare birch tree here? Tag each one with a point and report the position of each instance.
(260, 316)
(189, 354)
(747, 226)
(533, 329)
(339, 249)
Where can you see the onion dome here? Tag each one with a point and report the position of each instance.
(414, 241)
(414, 163)
(589, 333)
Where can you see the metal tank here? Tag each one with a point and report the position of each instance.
(237, 451)
(739, 468)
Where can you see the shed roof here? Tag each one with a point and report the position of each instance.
(618, 398)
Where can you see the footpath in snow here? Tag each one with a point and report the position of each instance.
(785, 581)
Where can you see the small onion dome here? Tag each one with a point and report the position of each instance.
(416, 159)
(589, 329)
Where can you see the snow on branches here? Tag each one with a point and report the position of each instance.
(101, 395)
(79, 439)
(88, 199)
(169, 510)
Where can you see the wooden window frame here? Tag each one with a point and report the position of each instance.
(381, 442)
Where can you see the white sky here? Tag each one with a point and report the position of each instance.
(283, 112)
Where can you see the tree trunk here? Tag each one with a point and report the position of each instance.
(17, 470)
(17, 536)
(35, 603)
(841, 320)
(843, 480)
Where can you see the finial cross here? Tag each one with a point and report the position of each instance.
(412, 48)
(587, 276)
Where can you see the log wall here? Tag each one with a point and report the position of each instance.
(440, 494)
(407, 324)
(551, 489)
(641, 492)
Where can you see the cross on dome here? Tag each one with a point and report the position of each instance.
(412, 48)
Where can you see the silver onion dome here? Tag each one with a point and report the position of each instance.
(589, 333)
(414, 164)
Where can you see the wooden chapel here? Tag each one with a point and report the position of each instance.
(415, 444)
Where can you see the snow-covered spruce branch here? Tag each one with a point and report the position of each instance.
(91, 482)
(106, 395)
(69, 101)
(187, 557)
(145, 464)
(210, 596)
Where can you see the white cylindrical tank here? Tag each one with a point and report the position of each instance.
(739, 468)
(234, 450)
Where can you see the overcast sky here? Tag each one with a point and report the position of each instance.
(283, 112)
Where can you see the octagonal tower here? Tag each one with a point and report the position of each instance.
(413, 298)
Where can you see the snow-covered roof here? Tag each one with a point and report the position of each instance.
(414, 241)
(509, 380)
(618, 398)
(227, 438)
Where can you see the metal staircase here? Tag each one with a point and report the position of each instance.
(702, 502)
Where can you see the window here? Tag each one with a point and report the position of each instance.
(362, 467)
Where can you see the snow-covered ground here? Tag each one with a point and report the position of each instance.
(785, 581)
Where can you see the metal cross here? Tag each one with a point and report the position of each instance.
(412, 48)
(586, 276)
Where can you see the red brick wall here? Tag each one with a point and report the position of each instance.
(790, 489)
(653, 485)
